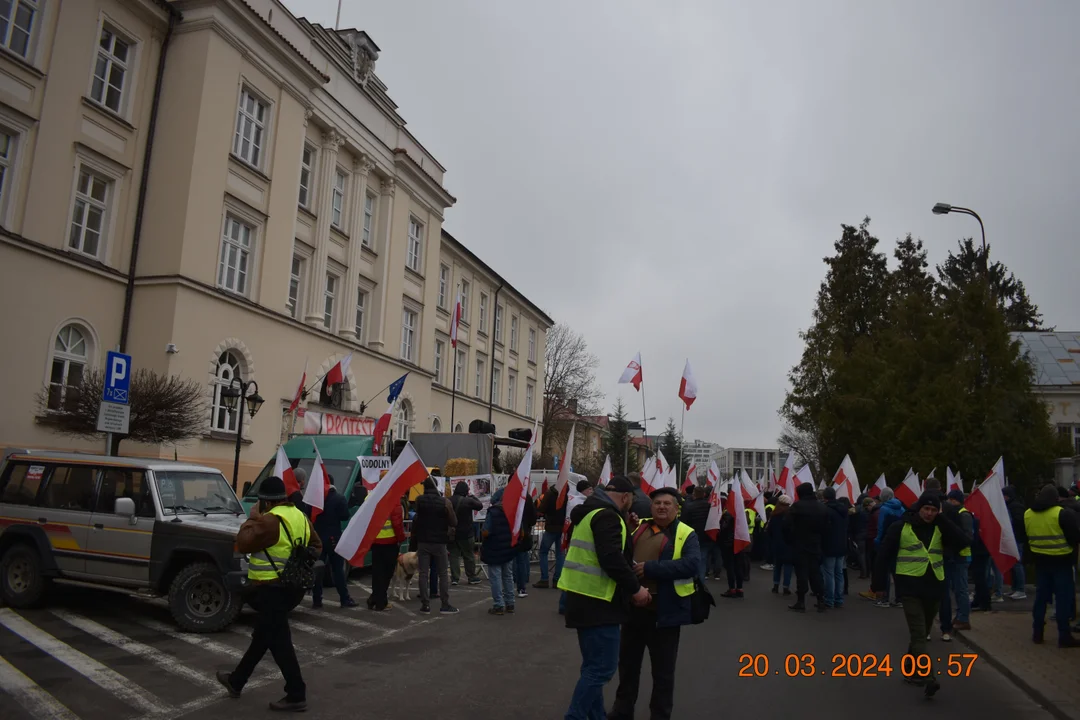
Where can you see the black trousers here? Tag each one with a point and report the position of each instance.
(663, 645)
(733, 568)
(383, 564)
(808, 571)
(272, 633)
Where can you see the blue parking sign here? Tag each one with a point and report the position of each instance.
(117, 378)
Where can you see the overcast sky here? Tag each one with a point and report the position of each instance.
(667, 176)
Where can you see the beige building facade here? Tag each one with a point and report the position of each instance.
(289, 219)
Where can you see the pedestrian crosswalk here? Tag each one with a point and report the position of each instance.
(113, 657)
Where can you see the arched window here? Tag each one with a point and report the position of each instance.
(228, 367)
(459, 428)
(333, 396)
(436, 426)
(71, 354)
(401, 432)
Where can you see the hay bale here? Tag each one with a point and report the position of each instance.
(459, 467)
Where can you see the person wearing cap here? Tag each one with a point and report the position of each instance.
(1053, 536)
(600, 584)
(269, 534)
(915, 546)
(957, 560)
(667, 558)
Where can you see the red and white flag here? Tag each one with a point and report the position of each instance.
(318, 486)
(650, 474)
(876, 488)
(846, 481)
(688, 386)
(605, 472)
(573, 499)
(987, 503)
(632, 373)
(691, 478)
(407, 471)
(802, 477)
(716, 511)
(299, 390)
(563, 481)
(514, 495)
(670, 480)
(382, 426)
(749, 490)
(758, 506)
(454, 322)
(336, 375)
(283, 469)
(713, 476)
(771, 474)
(737, 508)
(999, 469)
(786, 476)
(908, 491)
(952, 481)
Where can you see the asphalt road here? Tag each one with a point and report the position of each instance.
(100, 656)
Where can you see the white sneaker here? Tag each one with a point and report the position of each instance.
(946, 637)
(766, 566)
(1019, 595)
(997, 599)
(928, 637)
(522, 593)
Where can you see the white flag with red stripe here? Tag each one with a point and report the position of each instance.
(737, 508)
(318, 486)
(688, 386)
(803, 476)
(846, 481)
(758, 506)
(749, 490)
(691, 478)
(516, 492)
(952, 481)
(564, 469)
(786, 475)
(649, 474)
(987, 503)
(908, 491)
(605, 472)
(382, 426)
(407, 471)
(337, 374)
(455, 321)
(632, 373)
(999, 468)
(283, 469)
(713, 475)
(573, 499)
(716, 511)
(877, 487)
(299, 390)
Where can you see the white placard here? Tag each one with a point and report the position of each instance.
(113, 418)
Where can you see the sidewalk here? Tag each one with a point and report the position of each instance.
(1048, 674)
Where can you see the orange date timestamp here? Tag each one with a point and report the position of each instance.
(855, 665)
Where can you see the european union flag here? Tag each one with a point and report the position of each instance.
(395, 388)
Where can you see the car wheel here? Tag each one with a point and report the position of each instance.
(22, 583)
(200, 601)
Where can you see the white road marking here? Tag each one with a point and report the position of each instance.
(40, 704)
(343, 617)
(85, 665)
(162, 660)
(198, 640)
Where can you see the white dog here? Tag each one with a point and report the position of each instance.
(407, 565)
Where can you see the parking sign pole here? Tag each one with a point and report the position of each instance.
(108, 444)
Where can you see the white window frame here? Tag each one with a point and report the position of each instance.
(10, 165)
(256, 153)
(511, 391)
(436, 424)
(35, 19)
(410, 332)
(496, 384)
(330, 305)
(404, 420)
(498, 323)
(513, 333)
(481, 322)
(360, 322)
(368, 230)
(414, 257)
(440, 360)
(444, 284)
(106, 207)
(86, 359)
(530, 398)
(337, 200)
(532, 345)
(296, 277)
(127, 67)
(464, 292)
(229, 220)
(480, 366)
(307, 176)
(220, 383)
(459, 369)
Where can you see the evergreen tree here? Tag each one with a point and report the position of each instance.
(617, 442)
(670, 442)
(966, 266)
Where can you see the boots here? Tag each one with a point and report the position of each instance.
(775, 589)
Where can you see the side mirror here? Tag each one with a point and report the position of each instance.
(246, 488)
(124, 506)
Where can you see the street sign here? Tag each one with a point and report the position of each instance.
(117, 378)
(113, 418)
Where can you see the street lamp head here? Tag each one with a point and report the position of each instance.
(255, 401)
(229, 396)
(942, 209)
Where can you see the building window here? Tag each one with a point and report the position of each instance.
(88, 212)
(110, 69)
(408, 334)
(496, 384)
(369, 220)
(440, 353)
(511, 391)
(416, 241)
(459, 371)
(7, 154)
(71, 352)
(482, 327)
(337, 209)
(459, 428)
(329, 299)
(736, 458)
(760, 459)
(333, 396)
(436, 426)
(479, 379)
(532, 345)
(404, 420)
(530, 392)
(307, 169)
(498, 323)
(296, 278)
(1071, 433)
(465, 288)
(228, 367)
(361, 303)
(513, 333)
(444, 280)
(250, 127)
(16, 23)
(233, 268)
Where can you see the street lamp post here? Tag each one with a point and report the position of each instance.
(254, 401)
(945, 209)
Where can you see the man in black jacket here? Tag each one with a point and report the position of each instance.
(695, 513)
(462, 547)
(600, 584)
(433, 527)
(642, 505)
(554, 519)
(804, 530)
(328, 524)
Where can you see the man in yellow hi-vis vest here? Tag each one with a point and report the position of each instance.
(1052, 536)
(600, 585)
(667, 558)
(273, 528)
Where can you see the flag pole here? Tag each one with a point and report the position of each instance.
(682, 424)
(337, 21)
(644, 414)
(453, 389)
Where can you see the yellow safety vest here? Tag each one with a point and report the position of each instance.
(966, 552)
(387, 530)
(751, 518)
(684, 587)
(581, 571)
(1044, 532)
(259, 566)
(914, 556)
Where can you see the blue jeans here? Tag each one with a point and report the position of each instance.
(599, 660)
(1019, 577)
(997, 580)
(502, 584)
(832, 569)
(956, 586)
(521, 570)
(786, 569)
(336, 564)
(546, 541)
(1056, 584)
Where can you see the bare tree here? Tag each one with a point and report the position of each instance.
(803, 444)
(164, 408)
(569, 384)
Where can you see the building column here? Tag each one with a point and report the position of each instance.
(362, 168)
(332, 142)
(377, 339)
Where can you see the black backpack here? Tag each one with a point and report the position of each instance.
(298, 570)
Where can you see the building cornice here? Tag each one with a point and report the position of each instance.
(411, 169)
(72, 260)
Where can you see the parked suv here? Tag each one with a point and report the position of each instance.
(156, 527)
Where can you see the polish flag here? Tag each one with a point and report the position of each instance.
(908, 491)
(688, 386)
(516, 491)
(952, 481)
(632, 373)
(803, 476)
(336, 374)
(382, 426)
(299, 391)
(318, 486)
(772, 477)
(573, 499)
(749, 490)
(737, 508)
(758, 506)
(713, 475)
(605, 472)
(691, 478)
(670, 481)
(454, 322)
(407, 471)
(650, 474)
(987, 503)
(716, 511)
(786, 474)
(563, 481)
(876, 488)
(283, 469)
(846, 481)
(999, 469)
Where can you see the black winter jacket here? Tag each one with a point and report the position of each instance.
(464, 506)
(433, 520)
(834, 541)
(554, 517)
(805, 526)
(329, 522)
(695, 513)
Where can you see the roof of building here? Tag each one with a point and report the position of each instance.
(1055, 356)
(288, 43)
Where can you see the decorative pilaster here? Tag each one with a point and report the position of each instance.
(386, 213)
(332, 142)
(362, 168)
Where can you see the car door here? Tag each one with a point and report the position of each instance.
(65, 508)
(119, 545)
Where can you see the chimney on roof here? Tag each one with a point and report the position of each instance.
(571, 405)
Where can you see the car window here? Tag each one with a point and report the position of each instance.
(116, 483)
(70, 487)
(185, 491)
(21, 483)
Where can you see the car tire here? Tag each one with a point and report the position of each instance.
(22, 582)
(200, 601)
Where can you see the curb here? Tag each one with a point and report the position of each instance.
(1039, 698)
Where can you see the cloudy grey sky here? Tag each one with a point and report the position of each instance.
(666, 176)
